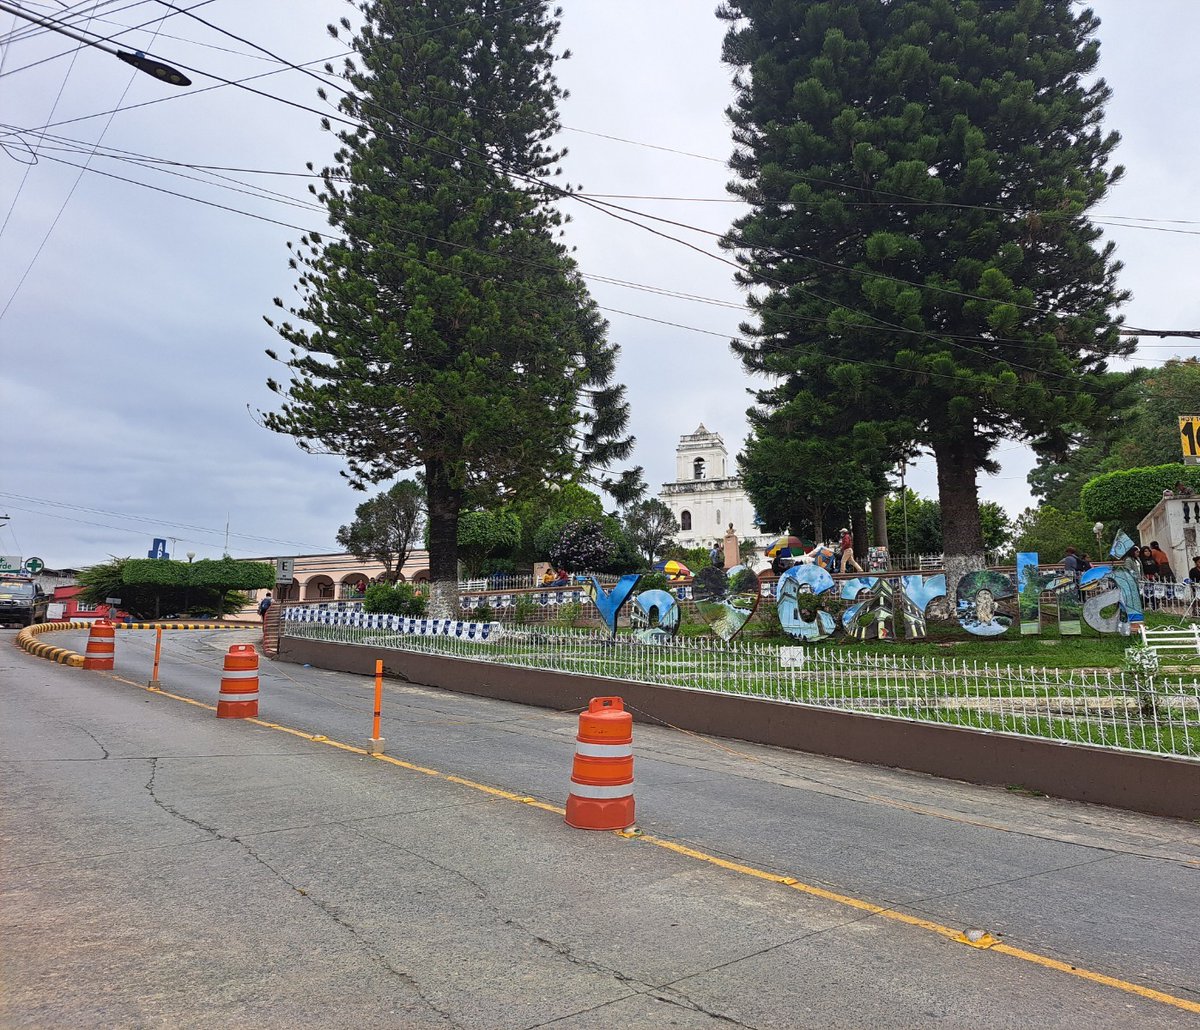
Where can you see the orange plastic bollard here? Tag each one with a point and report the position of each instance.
(101, 646)
(238, 698)
(601, 796)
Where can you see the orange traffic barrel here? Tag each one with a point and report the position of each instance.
(238, 698)
(101, 646)
(601, 796)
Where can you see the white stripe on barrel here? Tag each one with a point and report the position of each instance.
(604, 750)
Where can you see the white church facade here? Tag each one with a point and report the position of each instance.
(706, 496)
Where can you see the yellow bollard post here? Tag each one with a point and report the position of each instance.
(376, 740)
(157, 654)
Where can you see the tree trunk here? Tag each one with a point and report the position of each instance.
(962, 536)
(858, 530)
(445, 504)
(879, 519)
(818, 522)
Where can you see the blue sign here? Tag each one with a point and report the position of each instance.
(158, 549)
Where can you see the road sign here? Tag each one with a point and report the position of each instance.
(1189, 438)
(112, 600)
(34, 565)
(11, 563)
(285, 569)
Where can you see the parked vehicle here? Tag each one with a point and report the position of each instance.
(21, 600)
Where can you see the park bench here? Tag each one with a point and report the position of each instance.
(1173, 638)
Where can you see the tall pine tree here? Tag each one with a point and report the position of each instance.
(445, 327)
(919, 174)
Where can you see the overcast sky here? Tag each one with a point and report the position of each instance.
(132, 340)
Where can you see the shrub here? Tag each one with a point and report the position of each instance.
(394, 599)
(654, 581)
(569, 613)
(483, 612)
(526, 606)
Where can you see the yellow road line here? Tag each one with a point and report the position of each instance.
(986, 942)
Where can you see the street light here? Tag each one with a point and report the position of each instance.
(187, 591)
(137, 58)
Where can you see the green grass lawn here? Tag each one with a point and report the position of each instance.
(948, 640)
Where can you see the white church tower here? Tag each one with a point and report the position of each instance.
(706, 497)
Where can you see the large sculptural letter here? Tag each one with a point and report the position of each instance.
(1116, 587)
(652, 604)
(796, 602)
(984, 602)
(1034, 584)
(609, 604)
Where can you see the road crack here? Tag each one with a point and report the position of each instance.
(374, 953)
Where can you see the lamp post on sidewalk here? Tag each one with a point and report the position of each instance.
(136, 58)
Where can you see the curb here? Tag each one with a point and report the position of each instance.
(27, 641)
(27, 638)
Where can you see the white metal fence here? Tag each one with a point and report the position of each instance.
(1159, 714)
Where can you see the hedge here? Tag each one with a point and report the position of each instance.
(1128, 495)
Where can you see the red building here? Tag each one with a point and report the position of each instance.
(74, 610)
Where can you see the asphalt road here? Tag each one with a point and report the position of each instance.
(165, 868)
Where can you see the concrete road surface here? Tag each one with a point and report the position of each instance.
(163, 868)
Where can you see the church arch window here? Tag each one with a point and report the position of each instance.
(685, 519)
(698, 469)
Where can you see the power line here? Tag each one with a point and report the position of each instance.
(156, 520)
(605, 208)
(330, 237)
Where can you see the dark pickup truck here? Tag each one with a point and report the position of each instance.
(21, 601)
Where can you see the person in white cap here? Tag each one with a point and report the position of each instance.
(847, 542)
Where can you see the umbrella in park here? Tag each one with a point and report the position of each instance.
(672, 568)
(785, 547)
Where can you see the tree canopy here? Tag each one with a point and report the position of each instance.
(150, 587)
(918, 249)
(1144, 434)
(650, 526)
(443, 311)
(386, 527)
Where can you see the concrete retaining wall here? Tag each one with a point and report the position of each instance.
(1140, 783)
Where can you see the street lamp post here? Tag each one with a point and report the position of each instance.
(136, 58)
(187, 591)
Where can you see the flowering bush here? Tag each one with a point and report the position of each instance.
(582, 544)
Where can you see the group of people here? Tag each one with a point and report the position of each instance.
(559, 578)
(843, 557)
(1156, 566)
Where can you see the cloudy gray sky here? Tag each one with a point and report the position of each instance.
(131, 340)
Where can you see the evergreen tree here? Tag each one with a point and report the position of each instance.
(445, 328)
(919, 173)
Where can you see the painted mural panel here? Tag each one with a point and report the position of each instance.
(797, 602)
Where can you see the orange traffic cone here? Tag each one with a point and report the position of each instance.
(601, 796)
(238, 698)
(101, 646)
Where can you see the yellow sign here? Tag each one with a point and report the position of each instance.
(1189, 437)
